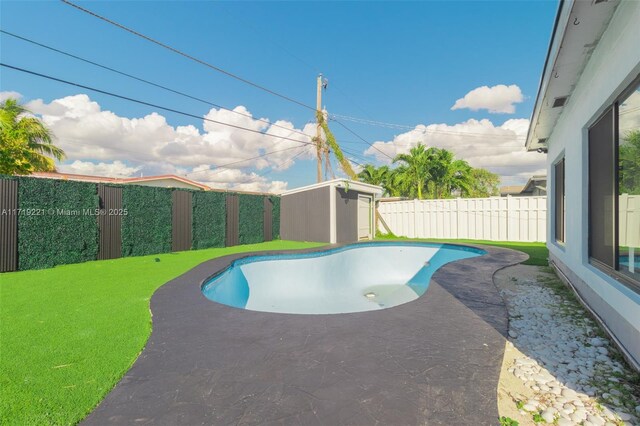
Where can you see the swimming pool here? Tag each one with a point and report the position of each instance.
(353, 278)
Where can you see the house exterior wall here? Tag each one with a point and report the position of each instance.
(614, 64)
(536, 192)
(305, 216)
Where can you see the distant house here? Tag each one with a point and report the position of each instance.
(164, 181)
(536, 186)
(513, 190)
(587, 118)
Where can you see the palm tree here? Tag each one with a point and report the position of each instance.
(25, 142)
(415, 169)
(450, 175)
(374, 175)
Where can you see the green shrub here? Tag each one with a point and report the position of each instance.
(146, 228)
(275, 200)
(209, 219)
(251, 218)
(54, 225)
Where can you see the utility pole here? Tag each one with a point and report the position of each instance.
(319, 127)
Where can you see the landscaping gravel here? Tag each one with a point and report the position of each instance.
(577, 376)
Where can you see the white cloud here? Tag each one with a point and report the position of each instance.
(85, 131)
(480, 142)
(7, 95)
(100, 142)
(496, 99)
(235, 179)
(117, 169)
(232, 179)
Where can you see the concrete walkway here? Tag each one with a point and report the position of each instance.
(435, 360)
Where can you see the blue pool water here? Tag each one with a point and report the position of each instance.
(355, 278)
(624, 261)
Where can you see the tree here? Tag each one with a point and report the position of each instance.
(630, 163)
(25, 142)
(333, 144)
(374, 175)
(431, 173)
(415, 169)
(483, 184)
(448, 175)
(382, 176)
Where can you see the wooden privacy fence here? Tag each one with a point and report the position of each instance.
(494, 219)
(46, 222)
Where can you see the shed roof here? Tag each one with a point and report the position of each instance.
(340, 183)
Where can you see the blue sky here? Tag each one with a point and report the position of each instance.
(396, 62)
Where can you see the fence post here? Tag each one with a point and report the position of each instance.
(415, 216)
(509, 206)
(8, 225)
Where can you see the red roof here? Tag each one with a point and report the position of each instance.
(105, 179)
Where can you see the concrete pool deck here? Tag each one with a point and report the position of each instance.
(435, 360)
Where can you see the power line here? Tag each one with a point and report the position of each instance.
(226, 166)
(115, 95)
(246, 81)
(256, 176)
(146, 81)
(220, 168)
(299, 154)
(106, 67)
(257, 31)
(426, 130)
(358, 156)
(245, 24)
(363, 139)
(344, 117)
(371, 122)
(188, 56)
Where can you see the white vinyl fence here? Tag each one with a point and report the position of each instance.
(495, 218)
(629, 206)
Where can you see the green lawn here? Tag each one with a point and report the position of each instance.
(69, 333)
(538, 252)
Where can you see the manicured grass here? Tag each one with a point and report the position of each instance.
(538, 252)
(69, 333)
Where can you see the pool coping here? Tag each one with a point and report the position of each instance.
(207, 363)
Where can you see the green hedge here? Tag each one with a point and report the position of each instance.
(59, 228)
(53, 229)
(146, 228)
(209, 219)
(275, 228)
(251, 218)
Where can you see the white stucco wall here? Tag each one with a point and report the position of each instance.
(615, 63)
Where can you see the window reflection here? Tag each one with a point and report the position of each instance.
(629, 185)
